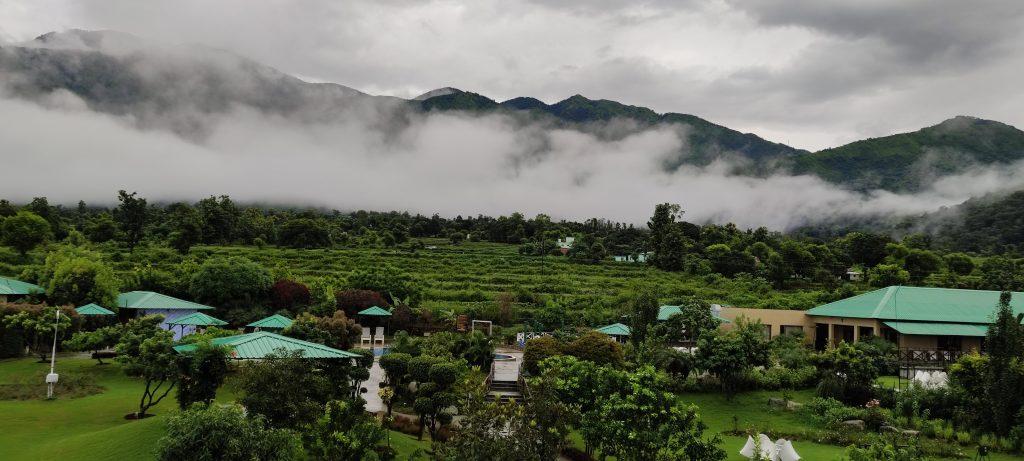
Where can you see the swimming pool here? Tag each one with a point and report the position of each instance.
(379, 351)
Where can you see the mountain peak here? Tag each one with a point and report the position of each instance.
(438, 92)
(108, 41)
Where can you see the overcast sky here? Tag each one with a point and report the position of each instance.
(809, 73)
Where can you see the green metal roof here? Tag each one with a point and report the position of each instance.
(921, 304)
(93, 309)
(274, 322)
(197, 318)
(152, 300)
(375, 311)
(615, 329)
(258, 345)
(17, 287)
(664, 312)
(938, 329)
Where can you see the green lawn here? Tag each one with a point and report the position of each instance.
(93, 427)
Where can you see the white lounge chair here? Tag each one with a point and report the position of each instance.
(366, 338)
(379, 336)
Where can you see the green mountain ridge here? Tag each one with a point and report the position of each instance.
(176, 88)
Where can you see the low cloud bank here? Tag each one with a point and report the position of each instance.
(439, 162)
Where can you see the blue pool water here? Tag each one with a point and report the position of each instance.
(379, 351)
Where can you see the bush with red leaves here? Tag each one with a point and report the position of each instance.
(289, 295)
(353, 301)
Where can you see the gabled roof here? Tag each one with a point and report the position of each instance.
(939, 329)
(197, 318)
(615, 329)
(10, 286)
(93, 309)
(153, 300)
(664, 312)
(276, 321)
(921, 304)
(258, 345)
(375, 311)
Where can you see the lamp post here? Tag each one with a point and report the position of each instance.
(51, 378)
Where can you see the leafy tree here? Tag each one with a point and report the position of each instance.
(220, 219)
(131, 215)
(79, 281)
(147, 351)
(539, 349)
(667, 240)
(225, 433)
(1001, 273)
(587, 249)
(201, 372)
(865, 248)
(959, 263)
(353, 301)
(507, 431)
(304, 233)
(477, 349)
(361, 371)
(98, 339)
(387, 280)
(456, 237)
(102, 228)
(730, 355)
(289, 295)
(344, 433)
(848, 374)
(651, 423)
(25, 231)
(598, 348)
(230, 282)
(884, 275)
(337, 331)
(285, 388)
(921, 263)
(37, 324)
(396, 372)
(6, 209)
(187, 227)
(1005, 377)
(434, 394)
(643, 313)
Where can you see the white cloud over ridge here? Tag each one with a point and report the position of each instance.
(439, 162)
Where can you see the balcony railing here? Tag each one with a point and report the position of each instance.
(929, 357)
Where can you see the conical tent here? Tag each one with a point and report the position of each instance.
(748, 449)
(786, 451)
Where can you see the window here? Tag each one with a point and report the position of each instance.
(950, 343)
(791, 329)
(865, 332)
(768, 331)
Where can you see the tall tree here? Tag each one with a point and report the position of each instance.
(643, 313)
(25, 231)
(1005, 343)
(131, 215)
(667, 240)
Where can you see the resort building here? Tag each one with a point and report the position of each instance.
(930, 322)
(11, 290)
(141, 303)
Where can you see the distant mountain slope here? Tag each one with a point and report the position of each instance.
(908, 161)
(179, 87)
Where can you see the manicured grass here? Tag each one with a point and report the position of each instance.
(85, 428)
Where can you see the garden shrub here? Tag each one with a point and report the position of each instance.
(831, 413)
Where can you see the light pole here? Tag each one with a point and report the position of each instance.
(51, 378)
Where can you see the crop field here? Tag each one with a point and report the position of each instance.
(458, 277)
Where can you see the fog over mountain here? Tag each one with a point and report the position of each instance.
(88, 113)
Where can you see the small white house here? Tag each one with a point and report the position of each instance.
(638, 258)
(566, 243)
(142, 303)
(854, 276)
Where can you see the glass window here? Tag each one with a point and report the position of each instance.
(791, 329)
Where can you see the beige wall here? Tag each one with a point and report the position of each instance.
(774, 317)
(778, 317)
(3, 298)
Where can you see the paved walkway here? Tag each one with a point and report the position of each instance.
(508, 370)
(373, 401)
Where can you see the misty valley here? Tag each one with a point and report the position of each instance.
(203, 257)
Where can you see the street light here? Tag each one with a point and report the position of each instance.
(51, 378)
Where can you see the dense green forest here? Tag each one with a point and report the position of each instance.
(508, 269)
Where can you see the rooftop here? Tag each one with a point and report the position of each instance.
(153, 300)
(258, 345)
(276, 321)
(948, 305)
(9, 286)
